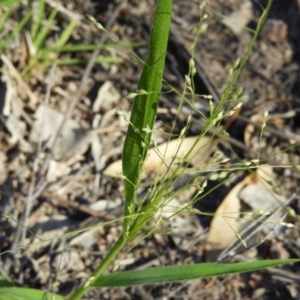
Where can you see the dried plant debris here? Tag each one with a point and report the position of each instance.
(71, 189)
(160, 157)
(238, 20)
(73, 139)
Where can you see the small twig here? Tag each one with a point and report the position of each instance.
(29, 198)
(284, 275)
(69, 14)
(22, 84)
(57, 200)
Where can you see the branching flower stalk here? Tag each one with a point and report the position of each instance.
(138, 141)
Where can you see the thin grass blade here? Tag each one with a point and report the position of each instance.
(9, 2)
(17, 293)
(187, 272)
(5, 16)
(16, 31)
(37, 22)
(41, 36)
(64, 37)
(145, 105)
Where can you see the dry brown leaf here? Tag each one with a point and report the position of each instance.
(107, 97)
(72, 140)
(168, 150)
(237, 20)
(261, 196)
(257, 197)
(222, 232)
(256, 192)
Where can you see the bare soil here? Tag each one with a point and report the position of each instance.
(53, 189)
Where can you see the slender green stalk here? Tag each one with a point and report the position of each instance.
(16, 31)
(66, 34)
(41, 36)
(101, 268)
(38, 18)
(259, 27)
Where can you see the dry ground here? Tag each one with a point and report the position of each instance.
(66, 189)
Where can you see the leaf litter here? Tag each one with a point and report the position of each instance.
(91, 139)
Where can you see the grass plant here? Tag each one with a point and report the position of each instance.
(36, 26)
(139, 211)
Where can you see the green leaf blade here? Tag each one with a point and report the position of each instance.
(145, 106)
(9, 2)
(27, 294)
(186, 272)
